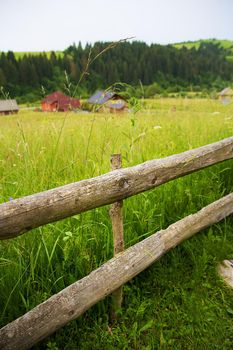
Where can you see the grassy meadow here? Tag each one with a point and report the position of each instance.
(20, 55)
(225, 44)
(179, 302)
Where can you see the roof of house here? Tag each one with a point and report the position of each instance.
(117, 106)
(55, 96)
(61, 99)
(226, 92)
(8, 105)
(101, 97)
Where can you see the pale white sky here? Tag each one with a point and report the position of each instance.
(36, 25)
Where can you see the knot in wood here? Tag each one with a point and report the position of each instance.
(124, 183)
(155, 178)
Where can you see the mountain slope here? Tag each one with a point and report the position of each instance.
(224, 44)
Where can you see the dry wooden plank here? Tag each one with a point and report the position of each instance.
(74, 300)
(116, 214)
(21, 215)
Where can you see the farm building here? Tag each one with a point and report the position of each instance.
(226, 95)
(8, 107)
(59, 102)
(108, 101)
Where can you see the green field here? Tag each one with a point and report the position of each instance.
(20, 55)
(225, 44)
(179, 302)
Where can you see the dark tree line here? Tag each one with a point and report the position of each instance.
(132, 63)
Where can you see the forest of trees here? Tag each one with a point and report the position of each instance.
(158, 68)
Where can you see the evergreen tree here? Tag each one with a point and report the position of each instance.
(2, 79)
(125, 62)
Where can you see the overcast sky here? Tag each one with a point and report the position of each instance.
(36, 25)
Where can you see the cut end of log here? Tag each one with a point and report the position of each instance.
(225, 270)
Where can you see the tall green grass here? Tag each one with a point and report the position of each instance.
(180, 302)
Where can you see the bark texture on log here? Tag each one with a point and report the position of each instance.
(24, 214)
(74, 300)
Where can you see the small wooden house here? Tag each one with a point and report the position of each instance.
(226, 95)
(8, 107)
(108, 101)
(59, 102)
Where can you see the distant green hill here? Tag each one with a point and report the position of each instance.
(225, 44)
(19, 55)
(162, 69)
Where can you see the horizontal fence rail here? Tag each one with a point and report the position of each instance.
(74, 300)
(21, 215)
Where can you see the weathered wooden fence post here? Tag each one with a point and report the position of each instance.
(116, 214)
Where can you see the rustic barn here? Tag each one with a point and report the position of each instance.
(108, 101)
(59, 102)
(226, 95)
(8, 107)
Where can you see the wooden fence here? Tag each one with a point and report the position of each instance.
(21, 215)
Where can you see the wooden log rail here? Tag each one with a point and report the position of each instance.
(74, 300)
(24, 214)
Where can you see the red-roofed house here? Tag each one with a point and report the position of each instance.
(59, 102)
